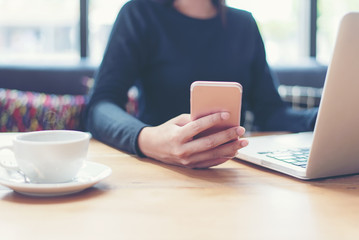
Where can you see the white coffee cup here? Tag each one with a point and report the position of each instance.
(53, 156)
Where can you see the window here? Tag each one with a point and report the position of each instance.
(283, 27)
(67, 30)
(102, 14)
(39, 30)
(329, 15)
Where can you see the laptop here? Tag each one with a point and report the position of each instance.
(332, 149)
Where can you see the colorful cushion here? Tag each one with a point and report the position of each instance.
(22, 111)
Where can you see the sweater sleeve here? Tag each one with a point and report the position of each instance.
(270, 111)
(122, 63)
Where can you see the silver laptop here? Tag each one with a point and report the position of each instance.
(332, 149)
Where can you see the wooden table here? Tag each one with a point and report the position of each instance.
(144, 199)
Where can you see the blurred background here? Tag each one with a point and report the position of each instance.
(72, 30)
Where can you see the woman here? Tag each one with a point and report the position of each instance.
(163, 47)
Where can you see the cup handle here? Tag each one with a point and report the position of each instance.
(8, 164)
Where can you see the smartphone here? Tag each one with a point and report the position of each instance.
(211, 96)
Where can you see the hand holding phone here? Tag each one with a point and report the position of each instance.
(210, 97)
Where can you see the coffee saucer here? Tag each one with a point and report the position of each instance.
(90, 174)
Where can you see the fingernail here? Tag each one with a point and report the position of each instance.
(240, 131)
(225, 115)
(244, 143)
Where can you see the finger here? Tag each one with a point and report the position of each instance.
(215, 140)
(195, 127)
(225, 151)
(215, 156)
(244, 142)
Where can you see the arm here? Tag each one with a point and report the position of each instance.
(171, 142)
(123, 61)
(110, 124)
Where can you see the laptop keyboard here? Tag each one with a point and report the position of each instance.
(298, 156)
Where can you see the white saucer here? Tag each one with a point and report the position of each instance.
(90, 174)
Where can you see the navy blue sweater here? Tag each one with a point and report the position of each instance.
(163, 51)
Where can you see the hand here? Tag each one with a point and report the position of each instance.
(173, 142)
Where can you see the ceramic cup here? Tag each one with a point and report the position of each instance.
(53, 156)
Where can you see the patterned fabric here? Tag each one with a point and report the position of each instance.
(31, 111)
(301, 97)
